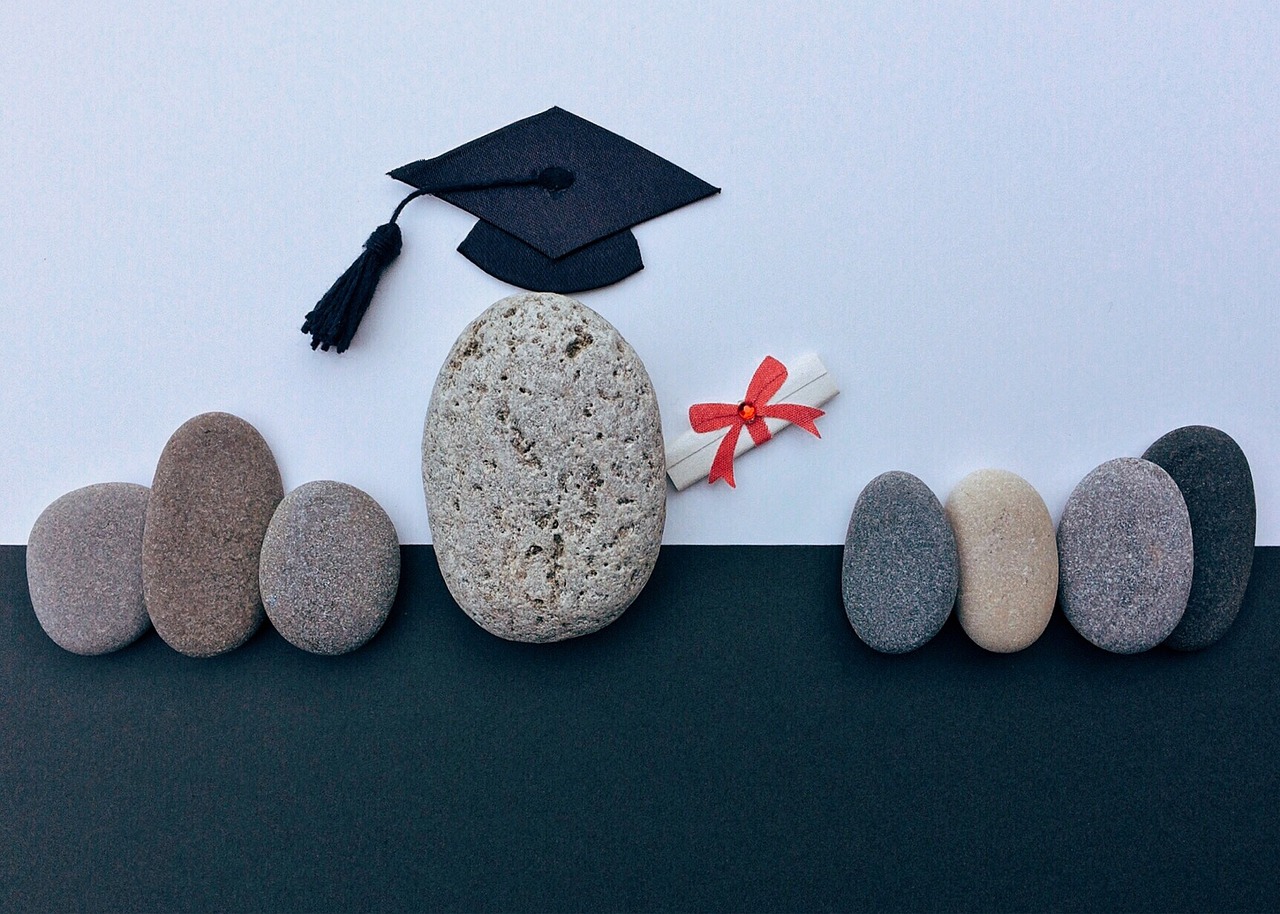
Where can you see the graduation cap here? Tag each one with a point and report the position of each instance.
(556, 196)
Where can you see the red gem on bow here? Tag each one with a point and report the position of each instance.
(755, 407)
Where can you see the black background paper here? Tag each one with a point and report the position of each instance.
(728, 744)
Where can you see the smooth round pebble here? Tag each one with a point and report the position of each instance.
(84, 568)
(900, 570)
(1213, 475)
(1008, 560)
(1125, 556)
(544, 470)
(215, 489)
(330, 567)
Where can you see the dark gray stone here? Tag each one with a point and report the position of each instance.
(215, 488)
(544, 470)
(1125, 556)
(330, 567)
(84, 568)
(900, 564)
(1213, 475)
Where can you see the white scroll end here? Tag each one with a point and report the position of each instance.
(689, 456)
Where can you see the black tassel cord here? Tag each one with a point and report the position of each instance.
(334, 319)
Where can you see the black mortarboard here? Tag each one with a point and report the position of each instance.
(556, 196)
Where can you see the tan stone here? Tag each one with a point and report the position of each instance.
(1008, 560)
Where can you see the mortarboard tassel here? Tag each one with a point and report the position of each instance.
(334, 319)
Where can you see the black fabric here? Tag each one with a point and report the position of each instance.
(336, 317)
(728, 744)
(511, 260)
(615, 184)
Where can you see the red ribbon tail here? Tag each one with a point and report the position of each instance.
(722, 465)
(796, 414)
(759, 432)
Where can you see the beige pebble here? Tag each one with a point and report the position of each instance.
(1008, 560)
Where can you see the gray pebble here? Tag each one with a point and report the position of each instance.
(84, 568)
(1213, 475)
(1125, 556)
(1008, 560)
(216, 486)
(544, 470)
(900, 568)
(330, 567)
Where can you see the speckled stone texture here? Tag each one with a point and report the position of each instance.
(1125, 557)
(1214, 477)
(215, 488)
(84, 568)
(1008, 560)
(900, 573)
(330, 567)
(543, 465)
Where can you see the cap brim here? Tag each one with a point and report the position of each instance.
(508, 258)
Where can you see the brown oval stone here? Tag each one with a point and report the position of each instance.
(215, 489)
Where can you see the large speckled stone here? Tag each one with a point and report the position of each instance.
(84, 568)
(1213, 475)
(1008, 559)
(1125, 556)
(543, 465)
(900, 574)
(215, 488)
(330, 567)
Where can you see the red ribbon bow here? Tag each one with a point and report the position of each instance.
(750, 413)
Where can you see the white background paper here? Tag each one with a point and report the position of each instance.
(1021, 236)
